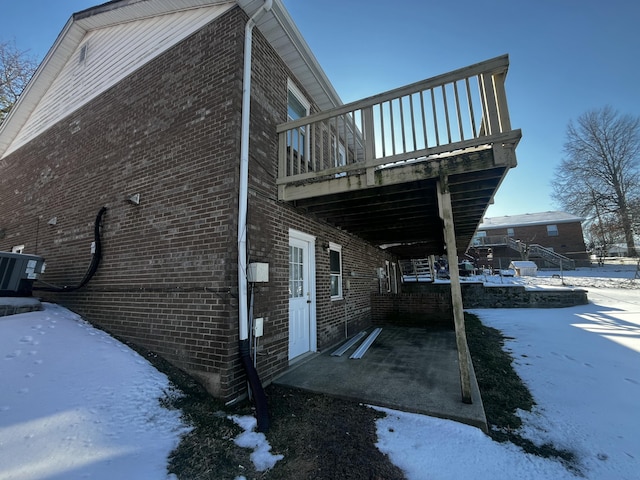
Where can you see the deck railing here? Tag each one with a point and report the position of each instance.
(461, 109)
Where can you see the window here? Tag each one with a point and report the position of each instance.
(296, 272)
(297, 107)
(394, 278)
(335, 270)
(510, 232)
(552, 230)
(387, 275)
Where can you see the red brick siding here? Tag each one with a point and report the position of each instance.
(423, 309)
(169, 132)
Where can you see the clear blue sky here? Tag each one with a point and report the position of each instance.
(567, 57)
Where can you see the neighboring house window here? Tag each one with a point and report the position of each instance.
(552, 230)
(297, 107)
(335, 270)
(510, 232)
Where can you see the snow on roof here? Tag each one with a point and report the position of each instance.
(526, 219)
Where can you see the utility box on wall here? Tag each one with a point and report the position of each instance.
(258, 272)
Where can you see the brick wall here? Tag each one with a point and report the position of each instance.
(426, 309)
(168, 279)
(169, 132)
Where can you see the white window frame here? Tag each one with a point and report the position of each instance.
(334, 247)
(552, 231)
(511, 232)
(387, 268)
(394, 279)
(295, 91)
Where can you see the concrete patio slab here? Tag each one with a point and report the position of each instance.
(410, 369)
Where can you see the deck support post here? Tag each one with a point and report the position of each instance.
(464, 359)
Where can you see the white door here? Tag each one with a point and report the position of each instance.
(301, 296)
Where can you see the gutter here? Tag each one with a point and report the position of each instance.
(243, 197)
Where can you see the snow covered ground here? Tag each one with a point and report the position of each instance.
(582, 365)
(76, 403)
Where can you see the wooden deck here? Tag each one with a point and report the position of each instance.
(374, 167)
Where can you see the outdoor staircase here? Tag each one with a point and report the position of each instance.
(417, 270)
(538, 251)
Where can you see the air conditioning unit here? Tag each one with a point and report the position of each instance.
(18, 272)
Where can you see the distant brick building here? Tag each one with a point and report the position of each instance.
(500, 240)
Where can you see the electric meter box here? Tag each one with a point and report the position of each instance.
(258, 272)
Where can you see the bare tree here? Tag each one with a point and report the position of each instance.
(600, 174)
(16, 68)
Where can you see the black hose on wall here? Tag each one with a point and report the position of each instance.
(93, 267)
(259, 397)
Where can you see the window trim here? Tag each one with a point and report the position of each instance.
(387, 267)
(552, 230)
(334, 247)
(394, 279)
(291, 87)
(306, 104)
